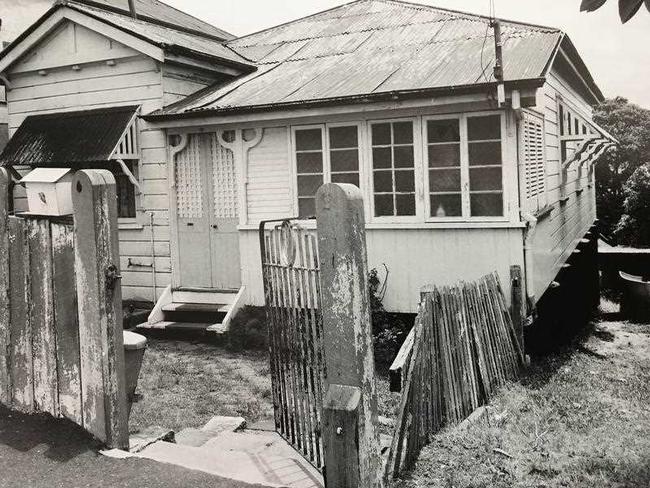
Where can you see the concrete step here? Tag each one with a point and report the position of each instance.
(176, 326)
(216, 426)
(257, 458)
(195, 307)
(207, 296)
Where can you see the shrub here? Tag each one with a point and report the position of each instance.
(248, 330)
(634, 227)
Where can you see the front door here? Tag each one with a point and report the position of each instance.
(207, 217)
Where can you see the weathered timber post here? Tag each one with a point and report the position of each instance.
(518, 303)
(100, 307)
(5, 392)
(350, 436)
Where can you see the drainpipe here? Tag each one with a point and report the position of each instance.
(529, 234)
(132, 10)
(153, 260)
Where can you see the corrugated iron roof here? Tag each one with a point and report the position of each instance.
(162, 35)
(67, 139)
(372, 47)
(156, 11)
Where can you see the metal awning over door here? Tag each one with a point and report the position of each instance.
(83, 139)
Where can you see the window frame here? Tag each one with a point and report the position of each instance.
(417, 168)
(465, 168)
(327, 168)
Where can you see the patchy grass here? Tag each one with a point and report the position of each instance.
(579, 418)
(185, 385)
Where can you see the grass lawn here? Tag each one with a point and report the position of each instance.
(579, 418)
(185, 384)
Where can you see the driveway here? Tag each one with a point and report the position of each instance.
(41, 452)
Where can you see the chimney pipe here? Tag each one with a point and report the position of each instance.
(498, 67)
(132, 10)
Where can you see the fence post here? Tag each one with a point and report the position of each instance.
(517, 303)
(5, 392)
(100, 307)
(350, 436)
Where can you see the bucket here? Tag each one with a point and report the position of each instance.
(134, 347)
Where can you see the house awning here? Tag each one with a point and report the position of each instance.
(84, 139)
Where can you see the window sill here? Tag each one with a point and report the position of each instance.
(544, 212)
(311, 225)
(128, 225)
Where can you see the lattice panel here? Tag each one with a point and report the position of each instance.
(189, 184)
(534, 161)
(224, 181)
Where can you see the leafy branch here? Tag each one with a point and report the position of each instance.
(626, 8)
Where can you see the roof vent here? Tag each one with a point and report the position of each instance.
(134, 14)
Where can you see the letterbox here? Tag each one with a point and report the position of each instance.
(49, 191)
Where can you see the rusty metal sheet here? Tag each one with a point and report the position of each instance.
(72, 137)
(375, 47)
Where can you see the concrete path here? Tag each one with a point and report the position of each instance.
(252, 456)
(40, 452)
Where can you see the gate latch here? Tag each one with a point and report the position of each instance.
(112, 275)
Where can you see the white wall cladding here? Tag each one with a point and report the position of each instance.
(558, 233)
(414, 258)
(269, 177)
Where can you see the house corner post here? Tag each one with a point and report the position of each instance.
(350, 435)
(5, 339)
(100, 307)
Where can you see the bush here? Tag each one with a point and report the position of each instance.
(248, 330)
(634, 227)
(389, 329)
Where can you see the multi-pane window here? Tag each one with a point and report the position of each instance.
(445, 173)
(464, 167)
(324, 154)
(310, 169)
(393, 168)
(485, 166)
(126, 198)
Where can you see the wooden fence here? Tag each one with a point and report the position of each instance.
(61, 344)
(291, 276)
(463, 346)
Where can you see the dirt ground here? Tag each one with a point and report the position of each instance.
(578, 418)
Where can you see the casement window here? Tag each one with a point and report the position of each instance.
(393, 168)
(324, 154)
(126, 197)
(464, 156)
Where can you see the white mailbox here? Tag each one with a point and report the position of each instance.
(49, 191)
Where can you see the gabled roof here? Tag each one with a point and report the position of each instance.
(69, 138)
(184, 38)
(154, 11)
(375, 49)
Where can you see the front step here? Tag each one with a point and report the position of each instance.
(201, 311)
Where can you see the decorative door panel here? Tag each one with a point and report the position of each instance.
(224, 239)
(192, 196)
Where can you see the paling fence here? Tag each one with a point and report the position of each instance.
(291, 274)
(463, 346)
(61, 344)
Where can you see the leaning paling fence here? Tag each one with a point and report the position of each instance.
(290, 269)
(463, 346)
(61, 345)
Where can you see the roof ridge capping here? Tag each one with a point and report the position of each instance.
(405, 4)
(469, 15)
(108, 6)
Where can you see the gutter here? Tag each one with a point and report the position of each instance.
(347, 100)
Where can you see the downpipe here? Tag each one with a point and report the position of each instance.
(529, 235)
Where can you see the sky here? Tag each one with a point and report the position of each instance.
(617, 55)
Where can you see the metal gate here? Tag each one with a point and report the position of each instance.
(290, 270)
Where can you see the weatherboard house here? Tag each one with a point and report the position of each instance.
(465, 169)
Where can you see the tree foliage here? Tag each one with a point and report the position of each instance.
(634, 226)
(626, 8)
(630, 124)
